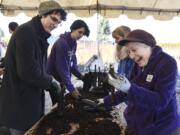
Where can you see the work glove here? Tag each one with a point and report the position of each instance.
(100, 101)
(55, 91)
(76, 94)
(101, 105)
(119, 82)
(93, 105)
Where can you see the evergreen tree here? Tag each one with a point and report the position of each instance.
(103, 29)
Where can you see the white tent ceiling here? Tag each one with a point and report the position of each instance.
(136, 9)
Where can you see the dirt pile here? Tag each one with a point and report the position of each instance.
(77, 121)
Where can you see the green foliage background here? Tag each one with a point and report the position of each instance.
(103, 29)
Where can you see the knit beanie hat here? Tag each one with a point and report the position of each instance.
(48, 6)
(139, 36)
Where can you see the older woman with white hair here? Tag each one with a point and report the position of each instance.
(150, 91)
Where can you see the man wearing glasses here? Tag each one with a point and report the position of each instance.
(25, 76)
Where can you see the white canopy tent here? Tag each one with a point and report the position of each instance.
(135, 9)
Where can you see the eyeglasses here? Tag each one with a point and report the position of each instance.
(54, 19)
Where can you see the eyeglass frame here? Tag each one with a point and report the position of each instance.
(54, 19)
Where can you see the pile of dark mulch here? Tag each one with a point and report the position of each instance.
(76, 121)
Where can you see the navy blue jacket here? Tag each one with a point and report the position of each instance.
(152, 105)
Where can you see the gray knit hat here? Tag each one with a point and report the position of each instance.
(48, 6)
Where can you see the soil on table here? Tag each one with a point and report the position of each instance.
(77, 121)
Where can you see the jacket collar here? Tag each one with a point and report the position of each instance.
(155, 51)
(39, 28)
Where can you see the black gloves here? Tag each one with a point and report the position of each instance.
(57, 95)
(54, 91)
(55, 85)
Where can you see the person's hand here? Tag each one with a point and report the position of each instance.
(119, 82)
(55, 91)
(55, 85)
(100, 101)
(76, 94)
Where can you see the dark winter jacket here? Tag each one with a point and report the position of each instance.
(62, 60)
(25, 78)
(152, 106)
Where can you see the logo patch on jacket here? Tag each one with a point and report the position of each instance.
(149, 78)
(70, 53)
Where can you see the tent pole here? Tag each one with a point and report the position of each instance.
(97, 39)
